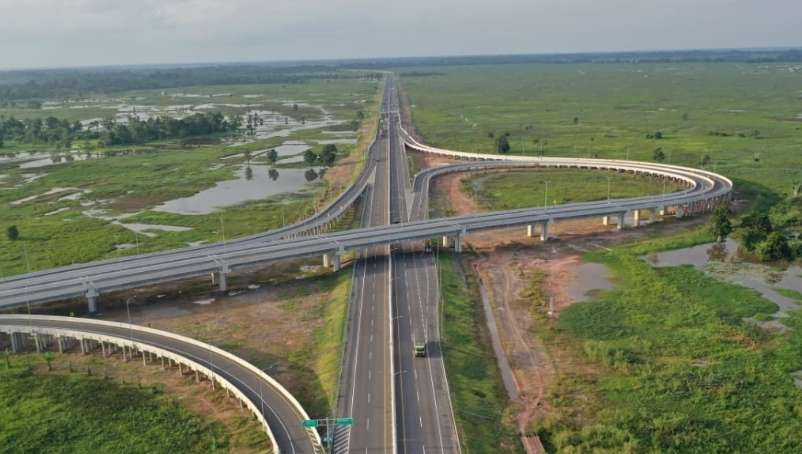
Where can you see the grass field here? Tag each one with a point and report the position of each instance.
(510, 190)
(43, 411)
(670, 365)
(478, 396)
(55, 231)
(735, 113)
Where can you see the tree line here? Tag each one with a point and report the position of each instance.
(110, 132)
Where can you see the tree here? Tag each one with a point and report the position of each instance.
(12, 233)
(328, 155)
(491, 134)
(659, 155)
(705, 160)
(272, 156)
(502, 145)
(775, 247)
(720, 225)
(576, 120)
(310, 157)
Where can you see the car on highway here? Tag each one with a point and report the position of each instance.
(419, 349)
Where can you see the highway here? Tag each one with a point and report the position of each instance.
(281, 413)
(425, 418)
(365, 386)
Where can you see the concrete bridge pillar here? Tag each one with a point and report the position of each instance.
(83, 346)
(530, 231)
(223, 277)
(606, 221)
(91, 300)
(661, 211)
(636, 218)
(326, 260)
(446, 241)
(458, 243)
(620, 221)
(38, 342)
(16, 345)
(544, 231)
(337, 262)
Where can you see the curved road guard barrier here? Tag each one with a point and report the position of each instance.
(279, 412)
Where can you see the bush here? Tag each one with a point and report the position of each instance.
(775, 247)
(12, 233)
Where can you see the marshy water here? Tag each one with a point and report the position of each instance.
(260, 182)
(721, 260)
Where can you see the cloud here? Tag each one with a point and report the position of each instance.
(81, 32)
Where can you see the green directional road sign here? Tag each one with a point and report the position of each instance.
(310, 422)
(344, 421)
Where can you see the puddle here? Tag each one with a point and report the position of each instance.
(697, 256)
(589, 278)
(44, 194)
(258, 183)
(146, 229)
(60, 210)
(721, 261)
(56, 159)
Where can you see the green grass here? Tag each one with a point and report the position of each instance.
(678, 368)
(510, 190)
(789, 293)
(480, 403)
(329, 339)
(617, 105)
(74, 413)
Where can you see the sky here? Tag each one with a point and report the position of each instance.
(58, 33)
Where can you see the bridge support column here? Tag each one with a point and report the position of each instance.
(530, 231)
(336, 262)
(60, 342)
(83, 346)
(544, 231)
(620, 225)
(446, 241)
(222, 279)
(91, 300)
(636, 218)
(326, 260)
(458, 243)
(15, 343)
(606, 221)
(38, 342)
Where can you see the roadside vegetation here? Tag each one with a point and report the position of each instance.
(526, 189)
(669, 362)
(52, 405)
(481, 406)
(739, 119)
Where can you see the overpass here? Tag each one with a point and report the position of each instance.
(705, 190)
(275, 408)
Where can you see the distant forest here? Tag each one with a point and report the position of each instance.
(63, 133)
(25, 85)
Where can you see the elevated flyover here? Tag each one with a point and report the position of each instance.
(705, 190)
(275, 408)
